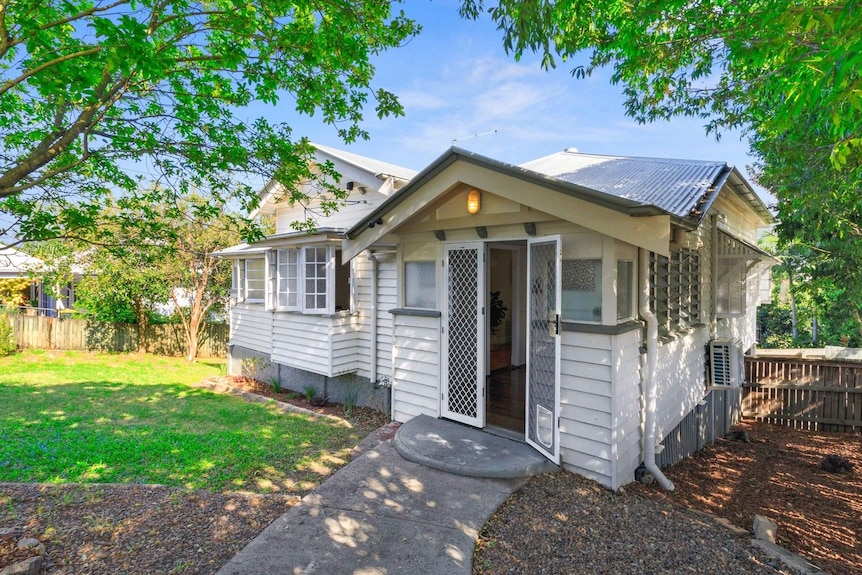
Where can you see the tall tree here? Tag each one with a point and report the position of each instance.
(757, 65)
(787, 72)
(92, 91)
(200, 281)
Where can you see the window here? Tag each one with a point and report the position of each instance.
(625, 293)
(255, 280)
(582, 290)
(342, 284)
(288, 279)
(420, 284)
(730, 273)
(315, 261)
(675, 290)
(308, 279)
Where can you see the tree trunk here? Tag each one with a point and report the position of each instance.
(143, 324)
(793, 330)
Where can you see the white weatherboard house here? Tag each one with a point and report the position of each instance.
(586, 304)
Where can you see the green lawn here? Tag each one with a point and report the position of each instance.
(80, 417)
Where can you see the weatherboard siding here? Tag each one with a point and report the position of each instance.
(415, 367)
(303, 342)
(586, 438)
(628, 413)
(251, 327)
(387, 300)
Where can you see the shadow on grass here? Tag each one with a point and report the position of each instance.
(168, 434)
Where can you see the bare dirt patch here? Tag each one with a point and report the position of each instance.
(777, 474)
(133, 529)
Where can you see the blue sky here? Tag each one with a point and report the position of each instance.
(456, 81)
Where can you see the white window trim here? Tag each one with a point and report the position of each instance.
(272, 275)
(297, 277)
(330, 282)
(245, 289)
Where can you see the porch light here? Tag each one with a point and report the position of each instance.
(473, 201)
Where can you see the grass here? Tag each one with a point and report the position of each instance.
(117, 418)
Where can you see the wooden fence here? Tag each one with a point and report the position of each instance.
(823, 395)
(40, 332)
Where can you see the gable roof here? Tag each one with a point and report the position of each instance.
(620, 203)
(376, 168)
(684, 188)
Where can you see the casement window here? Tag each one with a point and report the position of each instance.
(250, 280)
(675, 287)
(733, 259)
(582, 290)
(315, 262)
(287, 279)
(420, 284)
(306, 279)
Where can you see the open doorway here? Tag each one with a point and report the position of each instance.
(507, 336)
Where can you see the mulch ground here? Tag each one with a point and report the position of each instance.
(777, 474)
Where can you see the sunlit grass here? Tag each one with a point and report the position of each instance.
(116, 418)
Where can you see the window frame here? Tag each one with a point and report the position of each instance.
(598, 288)
(632, 290)
(245, 281)
(326, 279)
(283, 274)
(675, 291)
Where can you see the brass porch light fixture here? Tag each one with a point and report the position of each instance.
(473, 201)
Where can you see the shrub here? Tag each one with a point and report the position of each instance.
(8, 343)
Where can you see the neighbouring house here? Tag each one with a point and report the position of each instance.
(585, 304)
(15, 264)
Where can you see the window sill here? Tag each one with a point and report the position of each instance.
(578, 327)
(415, 312)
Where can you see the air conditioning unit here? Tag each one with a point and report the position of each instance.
(726, 362)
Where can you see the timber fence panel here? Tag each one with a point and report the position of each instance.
(42, 332)
(813, 394)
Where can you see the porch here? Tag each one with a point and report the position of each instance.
(463, 450)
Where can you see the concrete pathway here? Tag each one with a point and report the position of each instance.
(384, 515)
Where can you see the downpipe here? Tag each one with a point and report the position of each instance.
(650, 388)
(372, 257)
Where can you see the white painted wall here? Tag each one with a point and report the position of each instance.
(415, 367)
(251, 327)
(627, 408)
(586, 438)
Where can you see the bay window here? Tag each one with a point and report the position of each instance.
(307, 279)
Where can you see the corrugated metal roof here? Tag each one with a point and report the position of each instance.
(370, 164)
(676, 186)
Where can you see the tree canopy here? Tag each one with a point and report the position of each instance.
(93, 92)
(787, 73)
(759, 65)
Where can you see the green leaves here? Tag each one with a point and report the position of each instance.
(91, 92)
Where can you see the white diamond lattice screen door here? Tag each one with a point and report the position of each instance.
(463, 335)
(543, 346)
